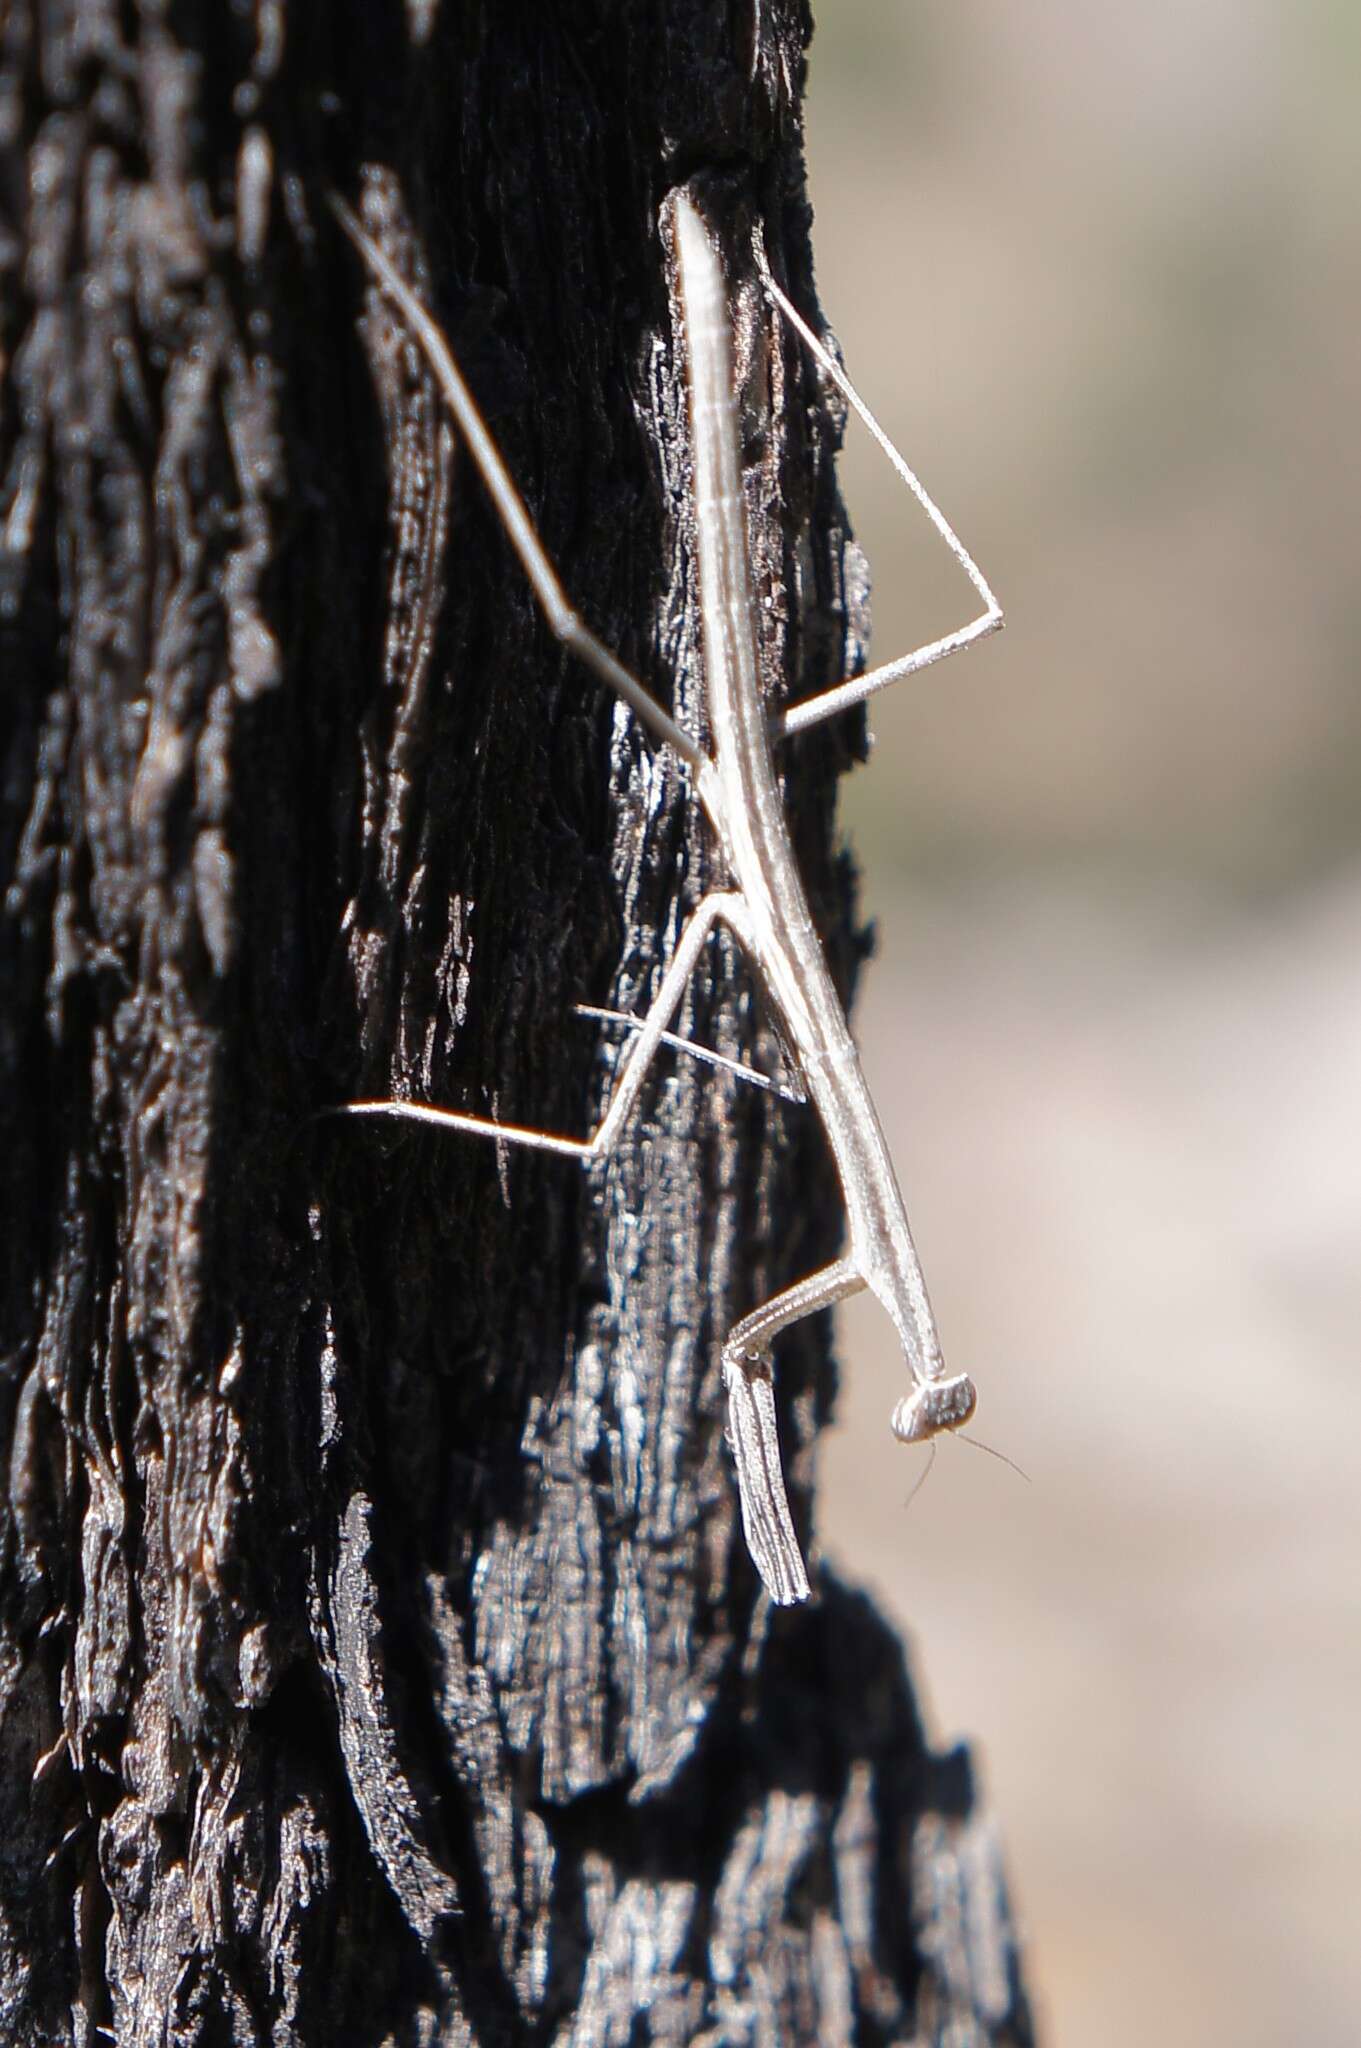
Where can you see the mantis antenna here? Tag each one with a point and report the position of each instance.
(763, 904)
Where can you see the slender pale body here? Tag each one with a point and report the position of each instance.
(764, 904)
(742, 796)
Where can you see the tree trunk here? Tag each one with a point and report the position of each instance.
(379, 1657)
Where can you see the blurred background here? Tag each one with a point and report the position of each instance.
(1099, 270)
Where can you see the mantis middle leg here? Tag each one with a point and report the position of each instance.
(724, 904)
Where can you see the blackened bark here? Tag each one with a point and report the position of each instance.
(379, 1658)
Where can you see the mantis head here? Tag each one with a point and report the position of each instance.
(934, 1405)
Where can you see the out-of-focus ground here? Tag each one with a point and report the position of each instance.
(1100, 271)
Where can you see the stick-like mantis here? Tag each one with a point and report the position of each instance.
(764, 904)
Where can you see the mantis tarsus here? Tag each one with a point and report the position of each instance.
(764, 905)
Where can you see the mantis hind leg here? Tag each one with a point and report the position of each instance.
(855, 688)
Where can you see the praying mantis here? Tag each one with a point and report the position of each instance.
(763, 903)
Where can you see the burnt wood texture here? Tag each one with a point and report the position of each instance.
(379, 1657)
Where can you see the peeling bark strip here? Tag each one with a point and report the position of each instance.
(378, 1656)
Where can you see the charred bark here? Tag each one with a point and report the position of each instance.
(379, 1658)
